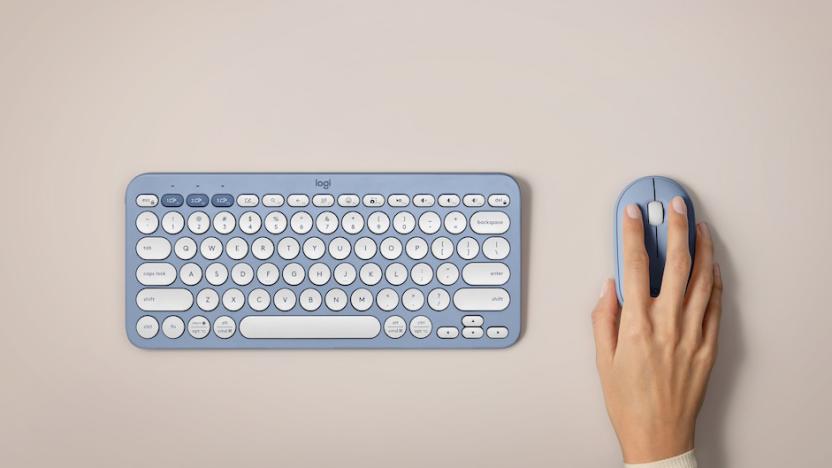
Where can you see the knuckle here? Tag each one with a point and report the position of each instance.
(704, 284)
(637, 260)
(638, 332)
(706, 356)
(679, 262)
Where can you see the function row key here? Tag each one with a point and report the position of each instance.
(147, 200)
(224, 200)
(197, 200)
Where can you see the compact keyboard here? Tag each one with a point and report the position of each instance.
(340, 260)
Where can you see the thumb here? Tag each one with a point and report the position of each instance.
(605, 323)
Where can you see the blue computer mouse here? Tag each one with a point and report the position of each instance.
(652, 194)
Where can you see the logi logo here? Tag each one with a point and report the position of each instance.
(324, 184)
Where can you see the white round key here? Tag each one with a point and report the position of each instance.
(345, 274)
(199, 222)
(396, 274)
(147, 222)
(420, 326)
(439, 299)
(404, 222)
(224, 327)
(319, 274)
(327, 222)
(199, 327)
(275, 222)
(153, 248)
(173, 222)
(301, 222)
(314, 248)
(293, 274)
(442, 248)
(236, 248)
(156, 274)
(447, 273)
(190, 274)
(413, 299)
(365, 248)
(339, 248)
(370, 274)
(391, 248)
(233, 299)
(467, 248)
(336, 300)
(288, 248)
(395, 327)
(429, 222)
(185, 248)
(250, 222)
(262, 248)
(173, 327)
(421, 274)
(216, 274)
(207, 299)
(416, 248)
(268, 274)
(378, 222)
(259, 299)
(310, 299)
(352, 222)
(284, 300)
(387, 299)
(147, 327)
(210, 248)
(361, 299)
(242, 274)
(224, 222)
(455, 222)
(496, 248)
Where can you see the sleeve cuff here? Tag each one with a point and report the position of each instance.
(685, 460)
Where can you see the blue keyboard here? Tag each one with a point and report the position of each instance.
(339, 260)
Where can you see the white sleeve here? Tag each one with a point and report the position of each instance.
(685, 460)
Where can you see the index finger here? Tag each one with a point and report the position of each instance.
(636, 262)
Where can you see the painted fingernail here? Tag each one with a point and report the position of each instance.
(633, 211)
(679, 205)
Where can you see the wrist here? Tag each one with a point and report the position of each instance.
(658, 445)
(685, 460)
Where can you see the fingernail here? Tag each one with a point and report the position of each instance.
(633, 211)
(717, 272)
(603, 289)
(679, 205)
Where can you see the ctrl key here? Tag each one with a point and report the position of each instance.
(147, 327)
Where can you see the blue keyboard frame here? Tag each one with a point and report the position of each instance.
(310, 184)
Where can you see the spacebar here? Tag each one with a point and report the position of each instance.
(323, 327)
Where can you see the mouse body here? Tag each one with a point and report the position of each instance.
(652, 194)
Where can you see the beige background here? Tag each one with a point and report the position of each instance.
(574, 98)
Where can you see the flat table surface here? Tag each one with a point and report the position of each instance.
(575, 99)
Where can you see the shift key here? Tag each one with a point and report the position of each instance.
(482, 300)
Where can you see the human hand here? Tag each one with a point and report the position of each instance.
(655, 356)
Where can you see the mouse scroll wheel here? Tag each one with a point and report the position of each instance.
(655, 213)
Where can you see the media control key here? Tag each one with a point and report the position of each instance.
(172, 200)
(222, 200)
(197, 200)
